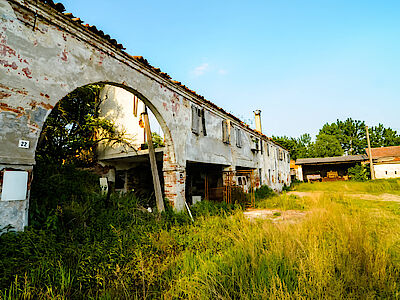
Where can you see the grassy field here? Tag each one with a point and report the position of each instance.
(344, 247)
(372, 187)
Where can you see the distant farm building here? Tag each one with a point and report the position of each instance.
(386, 161)
(327, 168)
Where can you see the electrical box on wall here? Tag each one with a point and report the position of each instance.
(15, 185)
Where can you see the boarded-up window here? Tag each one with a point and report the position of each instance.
(203, 122)
(238, 138)
(195, 120)
(280, 154)
(226, 131)
(198, 121)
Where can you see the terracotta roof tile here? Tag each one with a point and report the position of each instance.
(392, 151)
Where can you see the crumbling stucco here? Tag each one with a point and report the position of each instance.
(44, 56)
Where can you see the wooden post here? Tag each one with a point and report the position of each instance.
(371, 166)
(153, 163)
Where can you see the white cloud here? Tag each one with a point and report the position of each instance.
(200, 70)
(222, 72)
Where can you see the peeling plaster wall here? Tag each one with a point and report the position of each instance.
(207, 148)
(42, 63)
(39, 67)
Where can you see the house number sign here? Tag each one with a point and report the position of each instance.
(23, 144)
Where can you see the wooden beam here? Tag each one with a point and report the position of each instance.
(371, 165)
(153, 163)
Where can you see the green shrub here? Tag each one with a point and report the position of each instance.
(359, 172)
(264, 192)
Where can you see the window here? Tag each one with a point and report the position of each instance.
(198, 121)
(268, 149)
(238, 138)
(386, 172)
(255, 146)
(226, 131)
(280, 154)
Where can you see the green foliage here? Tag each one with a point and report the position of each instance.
(298, 148)
(264, 192)
(359, 172)
(350, 134)
(208, 208)
(326, 146)
(73, 129)
(383, 137)
(283, 202)
(53, 188)
(158, 141)
(341, 248)
(375, 186)
(341, 137)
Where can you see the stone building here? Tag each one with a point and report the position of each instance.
(46, 53)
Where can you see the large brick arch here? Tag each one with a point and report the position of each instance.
(43, 57)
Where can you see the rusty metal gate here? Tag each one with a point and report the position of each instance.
(238, 187)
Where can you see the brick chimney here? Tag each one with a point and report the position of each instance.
(257, 115)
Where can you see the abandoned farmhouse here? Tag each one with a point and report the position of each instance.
(45, 54)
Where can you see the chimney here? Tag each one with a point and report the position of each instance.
(257, 115)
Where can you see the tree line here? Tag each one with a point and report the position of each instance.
(339, 138)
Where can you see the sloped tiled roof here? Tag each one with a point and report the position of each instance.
(330, 160)
(61, 9)
(392, 151)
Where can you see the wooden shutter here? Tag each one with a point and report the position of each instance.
(238, 138)
(203, 122)
(195, 120)
(225, 132)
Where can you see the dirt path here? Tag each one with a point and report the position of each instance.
(275, 215)
(381, 197)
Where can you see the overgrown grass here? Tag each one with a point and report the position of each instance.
(375, 186)
(343, 248)
(284, 201)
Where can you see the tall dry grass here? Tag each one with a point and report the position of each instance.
(343, 248)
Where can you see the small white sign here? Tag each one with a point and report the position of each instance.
(23, 144)
(104, 186)
(15, 185)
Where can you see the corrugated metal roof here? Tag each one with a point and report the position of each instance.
(328, 160)
(61, 9)
(392, 151)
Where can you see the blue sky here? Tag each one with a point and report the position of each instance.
(303, 63)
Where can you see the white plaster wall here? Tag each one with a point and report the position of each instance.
(392, 170)
(117, 106)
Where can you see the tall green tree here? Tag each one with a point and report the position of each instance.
(350, 134)
(74, 129)
(326, 146)
(298, 148)
(383, 137)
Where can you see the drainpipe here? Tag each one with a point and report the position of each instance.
(257, 115)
